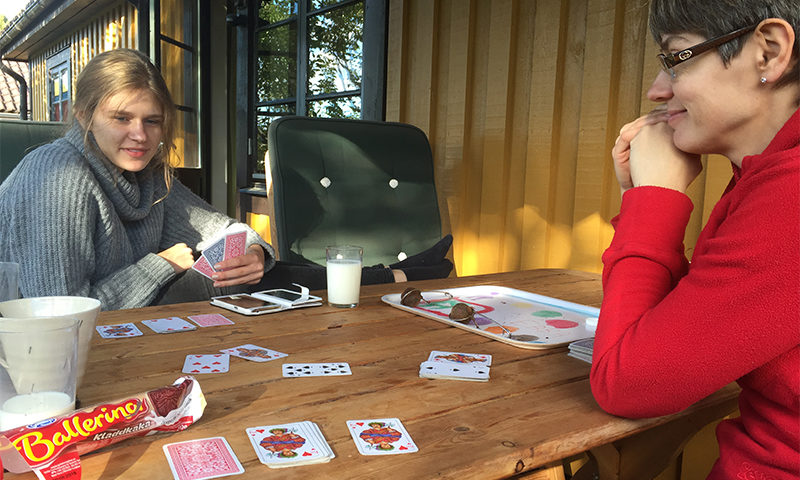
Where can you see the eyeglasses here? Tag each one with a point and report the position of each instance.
(668, 61)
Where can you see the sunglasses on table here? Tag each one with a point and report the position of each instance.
(669, 60)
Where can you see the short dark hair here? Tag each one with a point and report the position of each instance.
(712, 18)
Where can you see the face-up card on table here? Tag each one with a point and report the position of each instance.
(289, 445)
(121, 330)
(254, 353)
(213, 363)
(201, 459)
(462, 358)
(315, 369)
(383, 436)
(454, 371)
(210, 320)
(205, 268)
(169, 325)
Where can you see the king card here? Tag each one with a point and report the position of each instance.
(383, 436)
(122, 330)
(254, 353)
(462, 358)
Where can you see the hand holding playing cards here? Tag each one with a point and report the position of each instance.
(179, 256)
(247, 268)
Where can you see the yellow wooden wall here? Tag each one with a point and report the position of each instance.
(522, 101)
(114, 28)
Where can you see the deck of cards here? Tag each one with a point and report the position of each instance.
(383, 436)
(473, 367)
(230, 246)
(582, 349)
(290, 444)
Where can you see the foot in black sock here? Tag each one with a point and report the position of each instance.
(428, 272)
(429, 257)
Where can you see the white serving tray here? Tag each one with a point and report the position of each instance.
(553, 322)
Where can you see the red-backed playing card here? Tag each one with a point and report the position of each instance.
(201, 459)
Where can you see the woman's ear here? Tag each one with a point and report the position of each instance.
(775, 40)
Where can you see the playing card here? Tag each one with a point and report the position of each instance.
(384, 436)
(215, 253)
(200, 459)
(454, 371)
(120, 330)
(315, 369)
(254, 353)
(169, 325)
(290, 444)
(235, 244)
(210, 320)
(214, 363)
(462, 358)
(202, 266)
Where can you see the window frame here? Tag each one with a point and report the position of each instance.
(61, 63)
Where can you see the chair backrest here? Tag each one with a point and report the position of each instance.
(340, 181)
(18, 137)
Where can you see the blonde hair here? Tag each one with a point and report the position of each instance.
(120, 70)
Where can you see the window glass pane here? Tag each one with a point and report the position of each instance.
(335, 41)
(317, 4)
(277, 63)
(272, 11)
(344, 107)
(65, 80)
(186, 149)
(178, 20)
(177, 70)
(265, 116)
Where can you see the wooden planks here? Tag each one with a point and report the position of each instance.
(536, 409)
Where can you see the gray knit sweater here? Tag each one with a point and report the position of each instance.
(79, 226)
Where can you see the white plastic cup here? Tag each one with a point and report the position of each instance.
(38, 369)
(344, 275)
(9, 281)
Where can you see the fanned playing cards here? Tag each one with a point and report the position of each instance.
(290, 444)
(230, 246)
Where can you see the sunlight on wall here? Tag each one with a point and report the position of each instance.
(260, 223)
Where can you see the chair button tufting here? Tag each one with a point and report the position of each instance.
(402, 256)
(325, 182)
(393, 183)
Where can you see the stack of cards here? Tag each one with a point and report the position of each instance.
(315, 369)
(472, 367)
(290, 445)
(582, 349)
(383, 436)
(201, 459)
(232, 245)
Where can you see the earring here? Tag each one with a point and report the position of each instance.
(763, 80)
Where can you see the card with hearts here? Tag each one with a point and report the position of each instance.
(213, 363)
(289, 445)
(169, 325)
(120, 330)
(383, 436)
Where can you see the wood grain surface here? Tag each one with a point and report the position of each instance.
(536, 409)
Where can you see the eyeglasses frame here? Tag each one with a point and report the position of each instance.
(669, 60)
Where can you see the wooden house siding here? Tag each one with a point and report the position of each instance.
(522, 101)
(114, 28)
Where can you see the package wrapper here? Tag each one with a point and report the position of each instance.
(52, 447)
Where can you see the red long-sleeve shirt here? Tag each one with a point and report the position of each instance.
(671, 333)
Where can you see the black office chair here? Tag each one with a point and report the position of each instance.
(340, 181)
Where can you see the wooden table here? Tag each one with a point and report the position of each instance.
(536, 410)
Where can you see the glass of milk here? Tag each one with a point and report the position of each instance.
(38, 369)
(344, 275)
